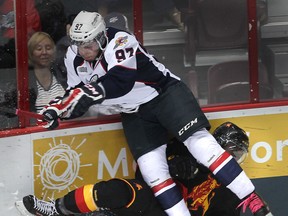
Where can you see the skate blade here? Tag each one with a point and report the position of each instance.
(21, 208)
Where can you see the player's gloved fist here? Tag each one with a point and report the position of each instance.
(182, 167)
(51, 119)
(51, 114)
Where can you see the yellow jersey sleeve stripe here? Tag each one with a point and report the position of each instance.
(88, 197)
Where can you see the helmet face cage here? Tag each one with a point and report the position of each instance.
(101, 39)
(233, 139)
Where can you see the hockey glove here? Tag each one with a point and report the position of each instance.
(74, 104)
(182, 167)
(48, 122)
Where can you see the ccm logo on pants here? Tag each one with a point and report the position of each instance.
(187, 126)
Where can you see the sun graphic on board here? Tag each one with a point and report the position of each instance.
(57, 169)
(64, 163)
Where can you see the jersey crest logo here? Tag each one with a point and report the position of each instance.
(202, 195)
(120, 41)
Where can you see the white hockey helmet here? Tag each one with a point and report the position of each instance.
(88, 27)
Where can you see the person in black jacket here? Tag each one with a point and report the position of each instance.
(201, 190)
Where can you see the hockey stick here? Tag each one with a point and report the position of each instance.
(19, 112)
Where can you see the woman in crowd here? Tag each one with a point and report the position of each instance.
(44, 81)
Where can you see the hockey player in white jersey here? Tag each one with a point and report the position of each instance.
(110, 67)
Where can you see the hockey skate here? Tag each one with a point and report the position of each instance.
(257, 206)
(33, 206)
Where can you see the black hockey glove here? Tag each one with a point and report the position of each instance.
(182, 167)
(48, 121)
(74, 104)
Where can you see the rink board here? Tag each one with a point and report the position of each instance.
(52, 163)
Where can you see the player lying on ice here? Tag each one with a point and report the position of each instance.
(110, 67)
(134, 197)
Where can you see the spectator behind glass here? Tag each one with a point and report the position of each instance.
(44, 83)
(62, 46)
(7, 30)
(168, 9)
(117, 20)
(43, 79)
(102, 6)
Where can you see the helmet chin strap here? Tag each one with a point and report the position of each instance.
(98, 58)
(99, 55)
(103, 47)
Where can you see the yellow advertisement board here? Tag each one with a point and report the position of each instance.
(65, 162)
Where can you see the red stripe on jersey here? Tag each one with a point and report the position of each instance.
(219, 161)
(162, 185)
(80, 201)
(68, 100)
